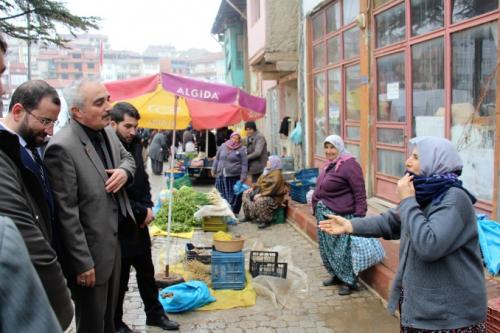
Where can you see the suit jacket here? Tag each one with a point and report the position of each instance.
(87, 215)
(135, 241)
(25, 307)
(24, 201)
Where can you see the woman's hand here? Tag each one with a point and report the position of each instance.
(336, 225)
(258, 195)
(405, 188)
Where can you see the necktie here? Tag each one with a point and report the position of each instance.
(39, 162)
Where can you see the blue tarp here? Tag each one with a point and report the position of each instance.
(489, 240)
(185, 296)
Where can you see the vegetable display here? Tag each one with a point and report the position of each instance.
(186, 203)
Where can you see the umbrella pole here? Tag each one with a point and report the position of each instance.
(167, 279)
(206, 142)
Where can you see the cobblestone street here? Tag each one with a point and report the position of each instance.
(319, 310)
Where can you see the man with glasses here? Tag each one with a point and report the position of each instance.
(25, 192)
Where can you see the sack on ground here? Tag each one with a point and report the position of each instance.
(365, 253)
(185, 296)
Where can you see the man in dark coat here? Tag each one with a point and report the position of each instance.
(25, 193)
(256, 151)
(134, 239)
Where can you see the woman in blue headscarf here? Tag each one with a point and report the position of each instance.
(439, 285)
(261, 201)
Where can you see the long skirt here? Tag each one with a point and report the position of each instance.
(225, 186)
(335, 250)
(259, 210)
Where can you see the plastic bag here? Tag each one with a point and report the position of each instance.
(185, 296)
(489, 241)
(365, 253)
(240, 187)
(296, 134)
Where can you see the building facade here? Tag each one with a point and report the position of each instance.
(380, 75)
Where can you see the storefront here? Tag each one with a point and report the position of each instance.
(432, 69)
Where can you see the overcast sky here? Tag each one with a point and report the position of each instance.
(135, 24)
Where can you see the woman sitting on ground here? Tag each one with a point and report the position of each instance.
(340, 190)
(262, 200)
(439, 285)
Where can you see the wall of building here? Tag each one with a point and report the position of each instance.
(256, 28)
(281, 30)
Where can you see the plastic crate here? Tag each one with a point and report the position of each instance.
(305, 175)
(278, 269)
(279, 216)
(258, 257)
(214, 223)
(298, 190)
(191, 253)
(228, 270)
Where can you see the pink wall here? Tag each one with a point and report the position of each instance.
(256, 29)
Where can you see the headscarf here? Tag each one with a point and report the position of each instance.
(343, 154)
(440, 166)
(231, 144)
(275, 162)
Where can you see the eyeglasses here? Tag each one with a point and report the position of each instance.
(47, 123)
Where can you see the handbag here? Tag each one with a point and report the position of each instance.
(365, 253)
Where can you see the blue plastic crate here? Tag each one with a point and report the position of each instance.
(298, 190)
(228, 270)
(307, 175)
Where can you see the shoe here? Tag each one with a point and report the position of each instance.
(163, 322)
(332, 281)
(123, 328)
(263, 225)
(345, 290)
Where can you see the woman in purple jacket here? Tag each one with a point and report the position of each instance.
(340, 190)
(230, 165)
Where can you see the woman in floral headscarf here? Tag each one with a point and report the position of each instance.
(439, 285)
(340, 190)
(261, 201)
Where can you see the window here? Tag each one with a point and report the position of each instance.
(390, 25)
(428, 88)
(465, 9)
(336, 76)
(90, 66)
(64, 66)
(474, 60)
(391, 88)
(319, 111)
(426, 16)
(380, 2)
(78, 66)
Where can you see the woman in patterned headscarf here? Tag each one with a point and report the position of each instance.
(261, 201)
(439, 285)
(340, 190)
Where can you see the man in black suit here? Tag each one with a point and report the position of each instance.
(25, 193)
(134, 239)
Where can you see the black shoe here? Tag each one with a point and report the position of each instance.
(123, 328)
(263, 225)
(346, 289)
(332, 281)
(163, 322)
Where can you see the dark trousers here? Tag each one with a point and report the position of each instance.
(145, 274)
(95, 307)
(156, 167)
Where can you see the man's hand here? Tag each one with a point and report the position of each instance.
(336, 225)
(117, 178)
(405, 188)
(149, 218)
(86, 279)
